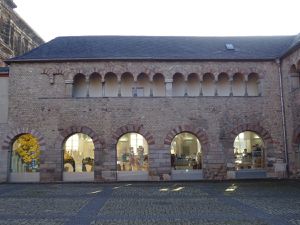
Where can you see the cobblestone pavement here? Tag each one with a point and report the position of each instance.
(207, 203)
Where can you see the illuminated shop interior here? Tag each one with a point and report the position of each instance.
(248, 151)
(79, 153)
(132, 153)
(186, 152)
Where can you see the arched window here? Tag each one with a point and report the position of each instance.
(95, 85)
(186, 152)
(193, 85)
(79, 153)
(248, 151)
(79, 86)
(25, 156)
(127, 82)
(208, 86)
(223, 85)
(132, 153)
(143, 85)
(238, 85)
(252, 85)
(159, 85)
(178, 85)
(111, 85)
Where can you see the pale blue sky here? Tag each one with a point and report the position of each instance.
(52, 18)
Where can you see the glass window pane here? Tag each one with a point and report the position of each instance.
(25, 154)
(186, 152)
(132, 153)
(79, 153)
(248, 151)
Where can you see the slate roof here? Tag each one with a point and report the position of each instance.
(159, 48)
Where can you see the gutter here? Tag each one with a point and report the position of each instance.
(279, 63)
(62, 60)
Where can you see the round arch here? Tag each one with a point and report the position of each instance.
(133, 128)
(7, 145)
(99, 145)
(202, 137)
(248, 148)
(132, 153)
(185, 150)
(197, 131)
(229, 138)
(126, 175)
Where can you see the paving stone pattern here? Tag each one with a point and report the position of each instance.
(222, 203)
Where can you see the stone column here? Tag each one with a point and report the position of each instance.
(200, 86)
(259, 86)
(103, 88)
(87, 81)
(185, 88)
(134, 89)
(215, 87)
(151, 88)
(169, 85)
(246, 85)
(119, 88)
(230, 83)
(68, 88)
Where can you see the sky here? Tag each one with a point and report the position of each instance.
(52, 18)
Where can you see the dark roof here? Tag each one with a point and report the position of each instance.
(159, 48)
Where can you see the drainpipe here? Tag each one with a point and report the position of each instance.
(278, 62)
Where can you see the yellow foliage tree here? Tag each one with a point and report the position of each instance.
(28, 148)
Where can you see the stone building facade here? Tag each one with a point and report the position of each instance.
(16, 36)
(158, 95)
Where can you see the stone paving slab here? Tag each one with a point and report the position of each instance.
(221, 203)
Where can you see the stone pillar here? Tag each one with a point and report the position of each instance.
(230, 82)
(68, 88)
(160, 164)
(87, 81)
(169, 85)
(185, 88)
(103, 88)
(151, 88)
(200, 87)
(119, 88)
(246, 85)
(134, 89)
(259, 85)
(215, 87)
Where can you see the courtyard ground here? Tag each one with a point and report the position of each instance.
(207, 203)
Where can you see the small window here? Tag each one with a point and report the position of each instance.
(140, 91)
(229, 46)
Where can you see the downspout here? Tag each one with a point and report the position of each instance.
(279, 63)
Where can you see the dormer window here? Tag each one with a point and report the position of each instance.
(229, 46)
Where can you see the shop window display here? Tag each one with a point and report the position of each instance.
(132, 153)
(25, 154)
(248, 151)
(186, 152)
(79, 153)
